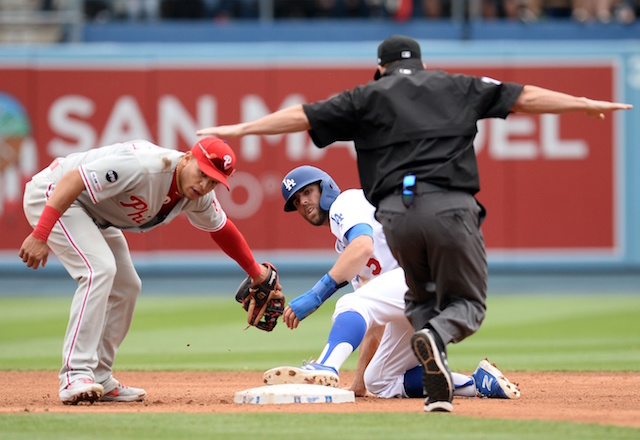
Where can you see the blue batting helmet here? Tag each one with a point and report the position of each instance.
(302, 176)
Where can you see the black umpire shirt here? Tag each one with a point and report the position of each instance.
(412, 120)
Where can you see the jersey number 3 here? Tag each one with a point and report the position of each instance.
(375, 266)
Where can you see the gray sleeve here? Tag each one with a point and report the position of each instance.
(494, 99)
(106, 177)
(206, 213)
(332, 120)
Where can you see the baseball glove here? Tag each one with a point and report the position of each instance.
(264, 302)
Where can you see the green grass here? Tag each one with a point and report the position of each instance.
(557, 333)
(520, 333)
(364, 426)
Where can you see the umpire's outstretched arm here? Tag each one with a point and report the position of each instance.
(288, 120)
(537, 100)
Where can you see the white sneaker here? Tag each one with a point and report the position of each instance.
(311, 373)
(114, 391)
(81, 390)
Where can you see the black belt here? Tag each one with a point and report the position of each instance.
(412, 187)
(426, 187)
(422, 187)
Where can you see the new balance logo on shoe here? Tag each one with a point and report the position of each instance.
(487, 382)
(491, 383)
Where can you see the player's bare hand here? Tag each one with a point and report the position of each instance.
(360, 391)
(597, 109)
(222, 131)
(34, 252)
(289, 317)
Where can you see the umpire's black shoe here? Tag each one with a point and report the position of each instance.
(436, 377)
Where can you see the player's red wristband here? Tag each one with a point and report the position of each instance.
(48, 218)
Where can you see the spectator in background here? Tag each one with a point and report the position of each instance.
(326, 8)
(182, 9)
(350, 8)
(436, 8)
(492, 9)
(603, 11)
(97, 10)
(218, 9)
(627, 11)
(624, 11)
(524, 10)
(591, 10)
(555, 8)
(245, 9)
(295, 9)
(105, 10)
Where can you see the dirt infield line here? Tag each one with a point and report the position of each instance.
(605, 398)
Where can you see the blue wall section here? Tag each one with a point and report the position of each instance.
(632, 156)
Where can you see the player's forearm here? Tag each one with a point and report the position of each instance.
(368, 348)
(66, 191)
(536, 100)
(288, 120)
(233, 243)
(353, 259)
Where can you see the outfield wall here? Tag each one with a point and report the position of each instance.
(562, 191)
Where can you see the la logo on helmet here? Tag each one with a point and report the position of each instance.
(289, 184)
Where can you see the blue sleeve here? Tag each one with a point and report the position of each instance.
(358, 230)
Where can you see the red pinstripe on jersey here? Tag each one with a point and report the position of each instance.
(87, 185)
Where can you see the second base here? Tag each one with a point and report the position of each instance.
(294, 393)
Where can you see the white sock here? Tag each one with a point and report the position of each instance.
(337, 356)
(463, 385)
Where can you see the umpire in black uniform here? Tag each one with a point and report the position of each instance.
(413, 131)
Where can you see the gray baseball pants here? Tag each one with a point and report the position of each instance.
(108, 286)
(438, 241)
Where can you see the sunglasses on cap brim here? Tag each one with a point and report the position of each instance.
(217, 162)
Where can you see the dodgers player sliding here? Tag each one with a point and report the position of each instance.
(80, 205)
(376, 305)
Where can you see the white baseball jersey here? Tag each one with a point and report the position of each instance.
(127, 184)
(349, 209)
(379, 298)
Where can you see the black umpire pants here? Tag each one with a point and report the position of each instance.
(438, 243)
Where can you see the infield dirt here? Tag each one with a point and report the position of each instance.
(604, 398)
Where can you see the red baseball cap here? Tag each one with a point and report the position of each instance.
(215, 158)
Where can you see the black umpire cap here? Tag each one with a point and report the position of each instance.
(397, 47)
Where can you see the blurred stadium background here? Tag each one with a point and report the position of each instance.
(562, 192)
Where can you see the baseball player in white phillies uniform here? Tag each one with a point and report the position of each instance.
(79, 207)
(375, 309)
